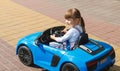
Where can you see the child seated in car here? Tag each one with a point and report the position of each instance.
(76, 26)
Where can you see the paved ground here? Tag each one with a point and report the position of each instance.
(107, 10)
(98, 14)
(10, 62)
(18, 20)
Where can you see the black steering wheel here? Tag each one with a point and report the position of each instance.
(45, 37)
(57, 33)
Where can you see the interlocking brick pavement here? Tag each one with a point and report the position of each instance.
(17, 21)
(101, 17)
(10, 62)
(107, 10)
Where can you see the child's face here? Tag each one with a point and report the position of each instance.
(69, 21)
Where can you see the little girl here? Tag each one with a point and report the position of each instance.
(76, 27)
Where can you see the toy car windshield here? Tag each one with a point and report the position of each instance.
(45, 37)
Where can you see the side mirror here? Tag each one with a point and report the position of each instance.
(37, 42)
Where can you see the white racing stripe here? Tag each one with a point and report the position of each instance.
(85, 48)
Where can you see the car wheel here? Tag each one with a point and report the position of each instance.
(69, 67)
(25, 55)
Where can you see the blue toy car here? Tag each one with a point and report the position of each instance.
(89, 55)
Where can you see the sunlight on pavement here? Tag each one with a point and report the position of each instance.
(17, 21)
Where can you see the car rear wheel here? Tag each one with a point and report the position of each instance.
(25, 56)
(69, 67)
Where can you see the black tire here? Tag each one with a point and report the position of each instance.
(69, 67)
(25, 56)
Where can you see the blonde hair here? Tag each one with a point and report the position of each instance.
(74, 14)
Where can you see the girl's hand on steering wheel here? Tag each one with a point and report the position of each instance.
(65, 29)
(52, 36)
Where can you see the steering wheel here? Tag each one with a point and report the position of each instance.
(51, 31)
(45, 37)
(58, 33)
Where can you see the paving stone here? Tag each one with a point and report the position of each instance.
(19, 20)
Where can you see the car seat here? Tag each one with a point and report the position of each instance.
(83, 39)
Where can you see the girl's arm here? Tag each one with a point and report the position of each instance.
(63, 38)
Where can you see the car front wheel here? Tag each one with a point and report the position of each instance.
(69, 67)
(25, 55)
